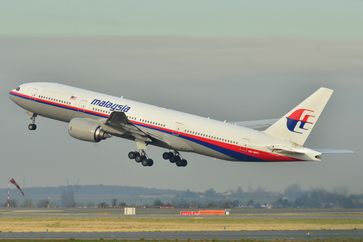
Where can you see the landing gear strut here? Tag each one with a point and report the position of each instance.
(32, 125)
(174, 157)
(141, 157)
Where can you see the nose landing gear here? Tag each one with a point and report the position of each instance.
(32, 125)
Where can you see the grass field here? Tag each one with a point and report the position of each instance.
(134, 224)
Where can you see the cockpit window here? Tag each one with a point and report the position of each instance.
(18, 89)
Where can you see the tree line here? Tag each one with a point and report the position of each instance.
(292, 197)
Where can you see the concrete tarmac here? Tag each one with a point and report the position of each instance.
(219, 235)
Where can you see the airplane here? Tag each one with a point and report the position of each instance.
(94, 116)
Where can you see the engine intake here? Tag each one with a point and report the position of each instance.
(87, 130)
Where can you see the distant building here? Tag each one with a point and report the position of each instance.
(129, 211)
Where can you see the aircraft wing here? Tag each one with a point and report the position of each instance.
(256, 124)
(118, 124)
(117, 119)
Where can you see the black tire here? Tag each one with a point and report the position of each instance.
(139, 158)
(183, 163)
(32, 126)
(132, 155)
(145, 161)
(178, 163)
(172, 159)
(166, 155)
(150, 162)
(175, 159)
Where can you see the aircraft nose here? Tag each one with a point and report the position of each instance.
(11, 94)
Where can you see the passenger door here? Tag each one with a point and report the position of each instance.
(33, 92)
(244, 144)
(179, 128)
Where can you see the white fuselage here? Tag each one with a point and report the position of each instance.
(176, 130)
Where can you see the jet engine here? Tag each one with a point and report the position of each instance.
(87, 130)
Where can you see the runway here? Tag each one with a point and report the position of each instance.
(218, 235)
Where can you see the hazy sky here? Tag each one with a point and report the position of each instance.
(332, 19)
(234, 60)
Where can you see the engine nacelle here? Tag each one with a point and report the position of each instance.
(87, 130)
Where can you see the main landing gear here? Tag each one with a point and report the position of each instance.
(141, 157)
(174, 157)
(32, 125)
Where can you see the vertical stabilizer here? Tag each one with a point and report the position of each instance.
(297, 124)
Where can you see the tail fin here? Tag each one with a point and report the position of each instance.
(297, 124)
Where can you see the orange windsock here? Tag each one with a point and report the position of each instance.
(12, 180)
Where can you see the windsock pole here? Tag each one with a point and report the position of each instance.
(8, 199)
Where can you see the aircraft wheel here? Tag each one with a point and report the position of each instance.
(183, 163)
(166, 155)
(150, 162)
(145, 161)
(32, 126)
(132, 155)
(175, 159)
(139, 158)
(172, 159)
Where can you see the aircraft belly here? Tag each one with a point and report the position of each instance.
(203, 150)
(179, 143)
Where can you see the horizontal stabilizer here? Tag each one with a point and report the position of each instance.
(334, 151)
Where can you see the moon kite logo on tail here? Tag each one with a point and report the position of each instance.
(302, 116)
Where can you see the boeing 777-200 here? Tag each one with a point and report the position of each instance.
(93, 117)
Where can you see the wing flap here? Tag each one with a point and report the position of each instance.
(120, 122)
(117, 119)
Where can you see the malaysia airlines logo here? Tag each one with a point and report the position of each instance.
(112, 106)
(302, 116)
